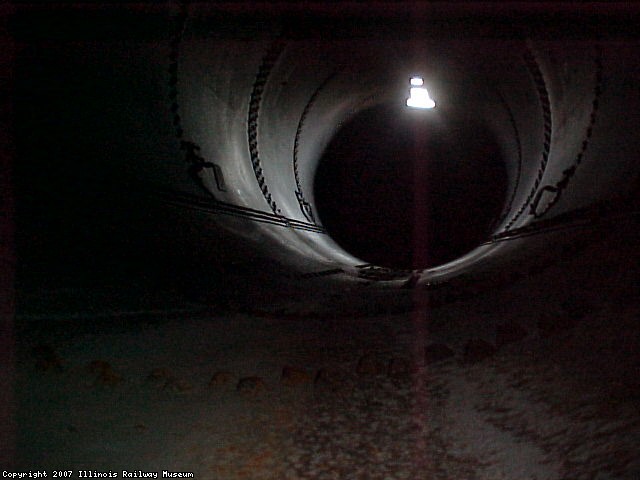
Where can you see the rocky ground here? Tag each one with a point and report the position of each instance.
(540, 380)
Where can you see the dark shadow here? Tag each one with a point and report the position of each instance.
(410, 189)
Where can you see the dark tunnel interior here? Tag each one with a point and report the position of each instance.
(75, 223)
(403, 190)
(230, 250)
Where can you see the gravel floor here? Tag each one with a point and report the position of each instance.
(530, 411)
(247, 397)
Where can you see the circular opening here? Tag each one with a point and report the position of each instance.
(410, 190)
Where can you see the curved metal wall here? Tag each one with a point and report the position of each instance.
(263, 111)
(227, 116)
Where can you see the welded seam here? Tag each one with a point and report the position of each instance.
(195, 202)
(305, 206)
(543, 96)
(516, 134)
(582, 217)
(557, 189)
(588, 217)
(268, 62)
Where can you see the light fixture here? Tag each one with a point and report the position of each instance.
(419, 96)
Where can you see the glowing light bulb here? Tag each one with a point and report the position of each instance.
(419, 96)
